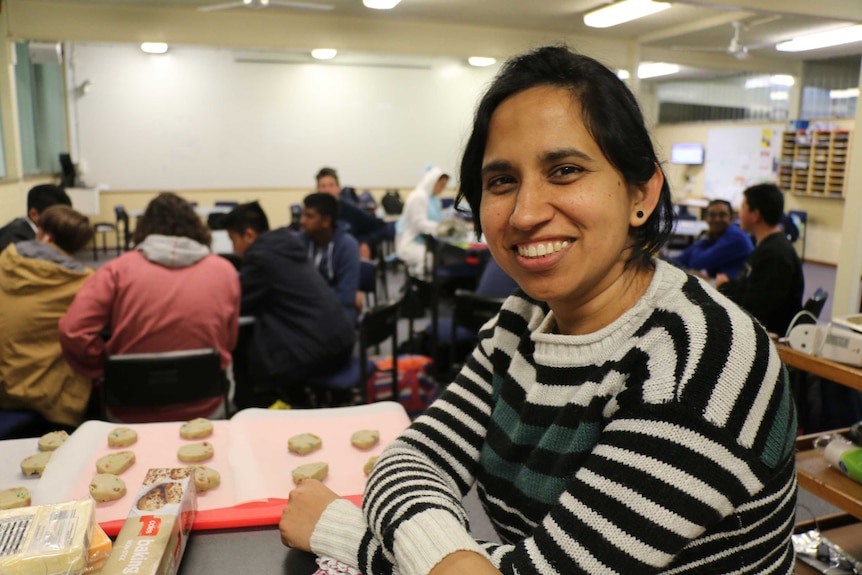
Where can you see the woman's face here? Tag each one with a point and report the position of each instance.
(555, 212)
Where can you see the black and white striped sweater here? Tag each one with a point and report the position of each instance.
(662, 443)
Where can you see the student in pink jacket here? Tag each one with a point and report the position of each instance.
(169, 294)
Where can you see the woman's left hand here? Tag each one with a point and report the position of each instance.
(305, 505)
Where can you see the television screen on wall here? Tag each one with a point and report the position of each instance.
(688, 154)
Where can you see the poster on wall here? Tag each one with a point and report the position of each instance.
(738, 157)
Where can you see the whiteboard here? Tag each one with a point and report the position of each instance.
(196, 118)
(738, 157)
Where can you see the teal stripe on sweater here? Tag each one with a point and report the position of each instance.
(554, 438)
(779, 443)
(536, 486)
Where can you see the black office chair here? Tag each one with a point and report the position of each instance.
(815, 303)
(446, 265)
(124, 232)
(153, 380)
(470, 313)
(350, 384)
(101, 229)
(810, 312)
(368, 281)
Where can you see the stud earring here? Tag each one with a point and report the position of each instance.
(640, 214)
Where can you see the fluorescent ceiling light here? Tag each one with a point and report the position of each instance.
(655, 69)
(769, 81)
(623, 75)
(324, 53)
(844, 94)
(781, 80)
(381, 4)
(481, 61)
(822, 39)
(775, 96)
(623, 12)
(154, 47)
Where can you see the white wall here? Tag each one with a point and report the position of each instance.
(196, 118)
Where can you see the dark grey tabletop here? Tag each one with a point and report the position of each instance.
(252, 550)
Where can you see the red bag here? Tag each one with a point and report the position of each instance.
(416, 388)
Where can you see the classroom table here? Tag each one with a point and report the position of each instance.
(689, 228)
(244, 546)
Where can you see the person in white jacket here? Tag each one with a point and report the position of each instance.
(421, 215)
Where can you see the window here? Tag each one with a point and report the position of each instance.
(830, 88)
(41, 110)
(728, 97)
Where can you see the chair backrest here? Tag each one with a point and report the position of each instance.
(472, 311)
(379, 324)
(494, 281)
(815, 303)
(158, 379)
(121, 213)
(368, 279)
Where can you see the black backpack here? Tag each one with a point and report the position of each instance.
(392, 203)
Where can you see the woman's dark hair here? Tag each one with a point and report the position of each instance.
(170, 215)
(610, 113)
(70, 231)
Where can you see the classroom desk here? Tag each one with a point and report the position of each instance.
(250, 550)
(689, 228)
(246, 549)
(831, 370)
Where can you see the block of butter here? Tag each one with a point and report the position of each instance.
(46, 539)
(100, 549)
(154, 535)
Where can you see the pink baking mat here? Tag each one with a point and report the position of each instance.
(250, 454)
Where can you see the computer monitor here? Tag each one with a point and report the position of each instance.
(69, 179)
(688, 154)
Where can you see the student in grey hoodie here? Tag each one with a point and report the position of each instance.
(168, 294)
(38, 280)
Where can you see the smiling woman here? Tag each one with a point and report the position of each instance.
(610, 423)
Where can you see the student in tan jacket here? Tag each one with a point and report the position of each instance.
(38, 280)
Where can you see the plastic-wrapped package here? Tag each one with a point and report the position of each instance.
(46, 539)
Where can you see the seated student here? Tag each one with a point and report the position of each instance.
(168, 294)
(771, 283)
(422, 214)
(300, 328)
(38, 280)
(331, 249)
(39, 198)
(367, 229)
(724, 249)
(606, 418)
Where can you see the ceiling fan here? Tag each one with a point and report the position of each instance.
(735, 47)
(257, 4)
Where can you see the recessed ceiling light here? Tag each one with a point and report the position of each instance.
(381, 4)
(481, 61)
(324, 53)
(154, 47)
(822, 39)
(655, 69)
(624, 11)
(623, 75)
